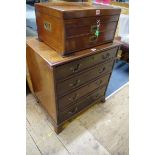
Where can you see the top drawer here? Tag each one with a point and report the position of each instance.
(76, 66)
(74, 23)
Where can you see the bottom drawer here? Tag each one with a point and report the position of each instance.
(79, 105)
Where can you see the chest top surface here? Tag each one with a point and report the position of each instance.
(53, 58)
(81, 9)
(66, 6)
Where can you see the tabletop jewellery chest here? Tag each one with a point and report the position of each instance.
(66, 86)
(70, 26)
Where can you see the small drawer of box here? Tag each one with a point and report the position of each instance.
(73, 67)
(89, 29)
(67, 100)
(84, 77)
(81, 104)
(74, 23)
(89, 40)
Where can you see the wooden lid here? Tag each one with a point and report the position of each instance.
(53, 58)
(69, 10)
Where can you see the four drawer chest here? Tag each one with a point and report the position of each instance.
(66, 86)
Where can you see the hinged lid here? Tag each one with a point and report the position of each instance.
(69, 10)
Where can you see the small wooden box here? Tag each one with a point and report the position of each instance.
(68, 26)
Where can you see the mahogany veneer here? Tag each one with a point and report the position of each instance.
(70, 26)
(65, 86)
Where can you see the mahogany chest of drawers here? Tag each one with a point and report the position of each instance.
(65, 86)
(68, 27)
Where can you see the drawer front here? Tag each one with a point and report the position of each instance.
(74, 23)
(76, 66)
(75, 95)
(83, 78)
(87, 41)
(89, 29)
(79, 105)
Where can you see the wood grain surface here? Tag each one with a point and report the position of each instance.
(53, 58)
(49, 79)
(102, 130)
(70, 27)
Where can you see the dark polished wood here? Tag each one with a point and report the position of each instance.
(79, 65)
(68, 27)
(101, 82)
(52, 88)
(81, 104)
(71, 31)
(83, 77)
(80, 92)
(91, 21)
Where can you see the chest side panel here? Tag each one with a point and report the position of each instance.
(42, 80)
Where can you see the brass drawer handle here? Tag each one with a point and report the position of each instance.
(102, 70)
(47, 26)
(93, 38)
(106, 56)
(73, 98)
(99, 82)
(72, 112)
(97, 95)
(75, 69)
(75, 84)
